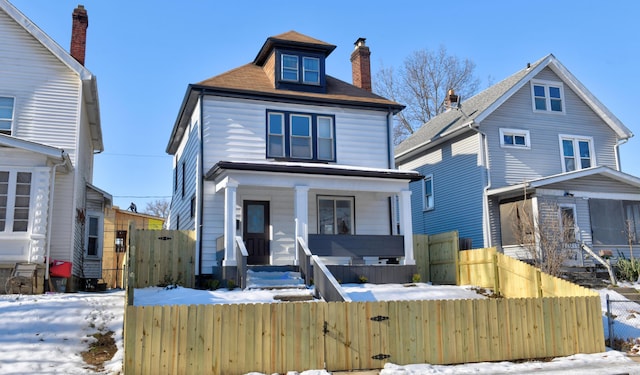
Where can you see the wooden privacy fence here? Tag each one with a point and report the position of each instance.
(161, 257)
(512, 278)
(341, 336)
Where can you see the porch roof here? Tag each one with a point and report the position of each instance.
(311, 168)
(55, 154)
(568, 176)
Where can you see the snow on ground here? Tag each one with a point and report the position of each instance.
(45, 334)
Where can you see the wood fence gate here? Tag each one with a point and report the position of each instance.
(161, 257)
(437, 257)
(356, 335)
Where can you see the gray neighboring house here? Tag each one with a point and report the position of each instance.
(539, 133)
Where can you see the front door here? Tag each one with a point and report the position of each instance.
(256, 231)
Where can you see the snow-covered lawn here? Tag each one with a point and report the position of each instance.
(46, 334)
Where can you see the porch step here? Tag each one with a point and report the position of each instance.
(274, 280)
(631, 294)
(588, 277)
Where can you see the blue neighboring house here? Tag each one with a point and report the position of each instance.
(535, 140)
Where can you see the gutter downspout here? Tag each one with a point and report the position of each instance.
(52, 185)
(486, 231)
(617, 149)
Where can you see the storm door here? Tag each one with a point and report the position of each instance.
(255, 231)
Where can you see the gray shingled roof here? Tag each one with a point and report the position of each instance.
(452, 120)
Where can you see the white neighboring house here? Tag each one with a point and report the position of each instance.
(277, 151)
(49, 132)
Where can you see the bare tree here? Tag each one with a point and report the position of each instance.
(158, 208)
(421, 84)
(548, 238)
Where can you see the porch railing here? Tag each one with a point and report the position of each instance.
(326, 285)
(607, 265)
(304, 260)
(241, 259)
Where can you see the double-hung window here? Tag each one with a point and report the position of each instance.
(514, 138)
(289, 69)
(547, 96)
(577, 152)
(301, 136)
(335, 215)
(427, 193)
(6, 114)
(15, 201)
(299, 71)
(93, 236)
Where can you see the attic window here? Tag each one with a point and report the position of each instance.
(547, 96)
(300, 71)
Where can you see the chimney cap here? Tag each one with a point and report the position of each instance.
(360, 42)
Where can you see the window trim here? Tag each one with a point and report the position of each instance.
(304, 71)
(425, 202)
(300, 83)
(12, 184)
(13, 115)
(310, 137)
(515, 132)
(573, 208)
(99, 236)
(574, 139)
(334, 198)
(283, 68)
(547, 97)
(287, 134)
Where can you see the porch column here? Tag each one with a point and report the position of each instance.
(406, 226)
(230, 223)
(301, 214)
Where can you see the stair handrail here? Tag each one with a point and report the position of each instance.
(241, 259)
(304, 260)
(325, 284)
(607, 265)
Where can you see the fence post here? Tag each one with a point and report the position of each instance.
(609, 322)
(131, 269)
(496, 275)
(539, 283)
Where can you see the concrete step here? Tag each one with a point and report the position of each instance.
(274, 280)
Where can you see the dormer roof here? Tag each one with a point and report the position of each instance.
(295, 40)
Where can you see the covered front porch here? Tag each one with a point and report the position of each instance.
(344, 215)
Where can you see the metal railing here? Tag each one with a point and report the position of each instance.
(241, 259)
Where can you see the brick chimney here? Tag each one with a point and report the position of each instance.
(360, 65)
(79, 33)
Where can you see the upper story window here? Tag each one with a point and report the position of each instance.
(427, 193)
(15, 198)
(547, 96)
(514, 138)
(300, 136)
(300, 71)
(577, 152)
(6, 114)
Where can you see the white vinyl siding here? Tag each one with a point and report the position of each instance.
(236, 130)
(514, 165)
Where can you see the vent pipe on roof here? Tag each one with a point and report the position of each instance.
(360, 65)
(79, 33)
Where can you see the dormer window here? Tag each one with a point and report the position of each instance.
(300, 71)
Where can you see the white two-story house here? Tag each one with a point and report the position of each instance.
(277, 151)
(49, 133)
(535, 143)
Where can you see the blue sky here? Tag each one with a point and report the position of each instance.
(145, 53)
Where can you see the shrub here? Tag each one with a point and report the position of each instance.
(627, 269)
(415, 278)
(231, 285)
(362, 279)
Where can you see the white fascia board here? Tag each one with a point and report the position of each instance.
(596, 105)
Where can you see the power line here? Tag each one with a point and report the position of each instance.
(141, 196)
(136, 155)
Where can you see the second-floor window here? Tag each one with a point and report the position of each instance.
(300, 136)
(514, 138)
(547, 96)
(6, 114)
(427, 193)
(577, 152)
